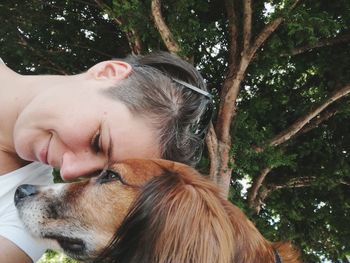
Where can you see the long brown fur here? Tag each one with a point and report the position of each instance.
(193, 223)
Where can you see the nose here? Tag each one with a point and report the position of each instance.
(77, 165)
(24, 191)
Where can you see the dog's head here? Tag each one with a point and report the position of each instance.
(142, 211)
(136, 198)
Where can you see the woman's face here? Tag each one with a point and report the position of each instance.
(79, 130)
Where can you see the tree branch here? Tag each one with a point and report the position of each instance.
(163, 29)
(256, 196)
(237, 68)
(212, 145)
(219, 140)
(247, 24)
(264, 35)
(261, 196)
(229, 93)
(133, 37)
(267, 31)
(298, 182)
(318, 120)
(301, 122)
(345, 183)
(293, 183)
(321, 43)
(254, 189)
(233, 38)
(228, 101)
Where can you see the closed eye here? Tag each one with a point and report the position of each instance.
(96, 142)
(109, 176)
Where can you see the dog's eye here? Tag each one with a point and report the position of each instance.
(108, 176)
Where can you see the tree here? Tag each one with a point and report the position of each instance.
(279, 71)
(41, 36)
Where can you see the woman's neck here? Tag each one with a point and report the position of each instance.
(9, 161)
(9, 102)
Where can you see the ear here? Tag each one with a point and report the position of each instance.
(196, 227)
(111, 69)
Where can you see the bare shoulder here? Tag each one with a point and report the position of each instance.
(10, 253)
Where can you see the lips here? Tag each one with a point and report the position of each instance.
(44, 151)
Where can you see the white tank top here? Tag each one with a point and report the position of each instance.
(10, 225)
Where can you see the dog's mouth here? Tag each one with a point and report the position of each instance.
(72, 246)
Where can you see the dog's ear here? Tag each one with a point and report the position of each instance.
(174, 220)
(137, 236)
(196, 226)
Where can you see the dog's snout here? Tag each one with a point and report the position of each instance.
(24, 191)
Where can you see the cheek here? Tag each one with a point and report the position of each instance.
(25, 141)
(69, 139)
(71, 117)
(76, 130)
(34, 122)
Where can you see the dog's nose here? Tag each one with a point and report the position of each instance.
(24, 191)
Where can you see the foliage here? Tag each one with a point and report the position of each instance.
(280, 86)
(55, 257)
(41, 36)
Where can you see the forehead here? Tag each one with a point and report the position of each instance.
(131, 136)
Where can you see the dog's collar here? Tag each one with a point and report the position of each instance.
(277, 257)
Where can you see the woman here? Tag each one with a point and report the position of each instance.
(154, 106)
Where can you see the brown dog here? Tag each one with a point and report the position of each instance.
(151, 211)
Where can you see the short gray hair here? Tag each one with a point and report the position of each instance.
(151, 92)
